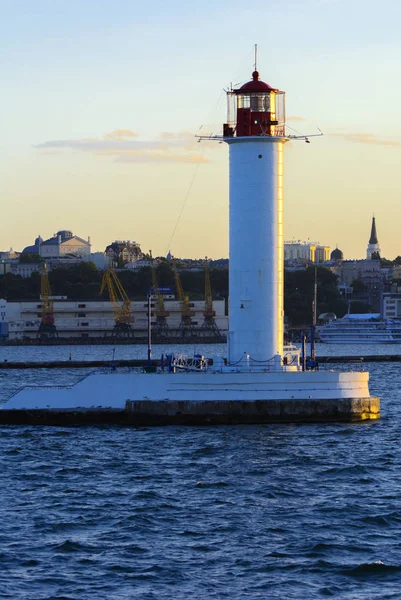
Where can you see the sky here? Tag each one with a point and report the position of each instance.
(101, 101)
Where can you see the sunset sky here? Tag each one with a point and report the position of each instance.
(101, 101)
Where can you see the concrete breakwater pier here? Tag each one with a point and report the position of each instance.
(219, 395)
(142, 363)
(80, 364)
(172, 337)
(168, 412)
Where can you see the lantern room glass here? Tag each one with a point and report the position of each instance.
(271, 102)
(256, 102)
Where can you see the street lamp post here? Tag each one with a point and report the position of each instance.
(150, 292)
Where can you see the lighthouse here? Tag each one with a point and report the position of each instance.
(255, 134)
(256, 382)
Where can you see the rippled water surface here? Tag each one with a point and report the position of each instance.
(277, 511)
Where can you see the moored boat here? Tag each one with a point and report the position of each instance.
(361, 329)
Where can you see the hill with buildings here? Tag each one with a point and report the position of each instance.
(76, 272)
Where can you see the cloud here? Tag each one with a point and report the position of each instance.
(169, 135)
(113, 145)
(295, 118)
(367, 138)
(159, 157)
(123, 145)
(119, 134)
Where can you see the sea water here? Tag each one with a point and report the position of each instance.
(274, 511)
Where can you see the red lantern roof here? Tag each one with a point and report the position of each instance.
(255, 85)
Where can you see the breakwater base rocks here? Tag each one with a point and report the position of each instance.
(160, 413)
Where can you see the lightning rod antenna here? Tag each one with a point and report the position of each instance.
(256, 57)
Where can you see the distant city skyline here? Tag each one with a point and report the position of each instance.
(103, 101)
(308, 241)
(201, 256)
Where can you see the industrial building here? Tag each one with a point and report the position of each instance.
(95, 319)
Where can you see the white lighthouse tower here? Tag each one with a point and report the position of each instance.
(256, 138)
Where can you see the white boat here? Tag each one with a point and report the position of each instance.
(361, 329)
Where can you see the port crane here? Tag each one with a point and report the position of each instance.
(160, 310)
(123, 318)
(186, 325)
(47, 328)
(209, 323)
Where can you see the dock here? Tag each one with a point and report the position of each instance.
(79, 364)
(360, 359)
(141, 363)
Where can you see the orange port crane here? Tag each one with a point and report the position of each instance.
(47, 328)
(123, 318)
(160, 310)
(186, 312)
(209, 322)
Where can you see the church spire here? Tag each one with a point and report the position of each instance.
(373, 246)
(373, 233)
